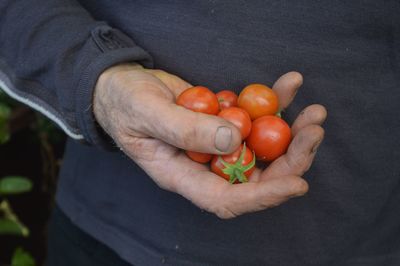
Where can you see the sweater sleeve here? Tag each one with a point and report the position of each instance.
(51, 54)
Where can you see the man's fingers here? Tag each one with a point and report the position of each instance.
(215, 195)
(193, 131)
(174, 171)
(251, 197)
(150, 110)
(312, 115)
(189, 130)
(173, 82)
(286, 87)
(164, 163)
(299, 156)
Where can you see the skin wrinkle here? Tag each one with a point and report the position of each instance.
(176, 135)
(211, 199)
(183, 136)
(253, 197)
(160, 176)
(141, 151)
(222, 210)
(167, 181)
(294, 161)
(315, 148)
(314, 114)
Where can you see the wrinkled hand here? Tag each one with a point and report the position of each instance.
(136, 107)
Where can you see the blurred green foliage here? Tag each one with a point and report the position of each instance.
(13, 117)
(22, 258)
(5, 113)
(14, 185)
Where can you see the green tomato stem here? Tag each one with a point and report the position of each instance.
(236, 171)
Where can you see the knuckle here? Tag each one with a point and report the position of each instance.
(224, 213)
(321, 133)
(138, 148)
(299, 163)
(219, 205)
(297, 187)
(313, 133)
(117, 78)
(274, 202)
(159, 72)
(188, 136)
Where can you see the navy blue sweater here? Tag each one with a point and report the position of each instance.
(52, 51)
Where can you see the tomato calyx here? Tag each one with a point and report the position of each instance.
(279, 113)
(236, 170)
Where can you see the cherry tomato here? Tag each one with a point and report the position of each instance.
(226, 99)
(269, 137)
(258, 100)
(235, 167)
(199, 157)
(239, 117)
(199, 99)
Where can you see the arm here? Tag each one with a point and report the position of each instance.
(52, 59)
(51, 54)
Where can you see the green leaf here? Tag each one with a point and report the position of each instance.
(5, 112)
(4, 133)
(22, 258)
(14, 185)
(10, 227)
(10, 224)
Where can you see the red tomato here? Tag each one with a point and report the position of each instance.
(269, 137)
(258, 100)
(235, 167)
(199, 99)
(199, 157)
(226, 99)
(239, 117)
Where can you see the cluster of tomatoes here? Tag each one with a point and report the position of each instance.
(255, 112)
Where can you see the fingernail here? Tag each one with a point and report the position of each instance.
(223, 138)
(315, 148)
(295, 92)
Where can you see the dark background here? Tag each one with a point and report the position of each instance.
(34, 151)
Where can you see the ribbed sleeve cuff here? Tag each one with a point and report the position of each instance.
(105, 48)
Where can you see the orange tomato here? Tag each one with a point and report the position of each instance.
(258, 100)
(239, 117)
(226, 99)
(199, 157)
(199, 99)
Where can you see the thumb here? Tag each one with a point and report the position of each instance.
(193, 131)
(186, 129)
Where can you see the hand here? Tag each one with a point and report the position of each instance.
(135, 106)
